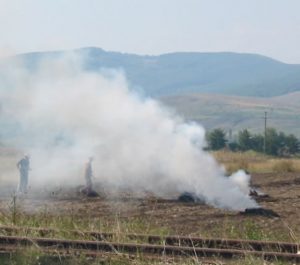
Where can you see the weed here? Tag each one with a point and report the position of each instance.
(14, 209)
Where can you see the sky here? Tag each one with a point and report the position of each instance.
(267, 27)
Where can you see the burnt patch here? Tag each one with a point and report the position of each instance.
(259, 196)
(190, 197)
(89, 192)
(260, 212)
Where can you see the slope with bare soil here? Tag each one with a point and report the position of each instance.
(236, 113)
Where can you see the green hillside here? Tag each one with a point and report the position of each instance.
(186, 72)
(227, 90)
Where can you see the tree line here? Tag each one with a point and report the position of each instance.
(272, 142)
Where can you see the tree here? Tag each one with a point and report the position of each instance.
(281, 144)
(277, 143)
(282, 149)
(257, 142)
(245, 140)
(272, 141)
(216, 139)
(292, 144)
(233, 146)
(288, 144)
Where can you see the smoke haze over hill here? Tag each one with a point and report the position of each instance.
(185, 72)
(61, 114)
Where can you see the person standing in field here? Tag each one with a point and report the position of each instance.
(88, 174)
(24, 166)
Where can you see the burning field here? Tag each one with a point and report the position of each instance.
(150, 171)
(131, 212)
(173, 216)
(60, 114)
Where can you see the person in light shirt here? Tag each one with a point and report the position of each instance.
(24, 166)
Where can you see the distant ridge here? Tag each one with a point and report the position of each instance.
(234, 113)
(185, 72)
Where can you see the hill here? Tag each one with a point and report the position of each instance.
(227, 90)
(235, 113)
(186, 72)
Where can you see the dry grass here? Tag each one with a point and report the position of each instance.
(255, 162)
(35, 257)
(283, 166)
(161, 218)
(65, 223)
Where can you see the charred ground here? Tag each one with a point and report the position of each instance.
(133, 213)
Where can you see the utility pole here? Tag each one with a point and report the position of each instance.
(265, 138)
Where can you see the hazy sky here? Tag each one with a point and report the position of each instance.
(269, 27)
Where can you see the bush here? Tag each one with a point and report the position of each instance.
(216, 139)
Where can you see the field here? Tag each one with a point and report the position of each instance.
(65, 209)
(236, 113)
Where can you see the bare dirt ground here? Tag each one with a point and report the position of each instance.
(177, 217)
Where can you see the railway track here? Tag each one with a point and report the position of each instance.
(158, 245)
(166, 240)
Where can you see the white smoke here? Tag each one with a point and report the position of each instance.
(242, 180)
(65, 114)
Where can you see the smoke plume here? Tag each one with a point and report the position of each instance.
(61, 114)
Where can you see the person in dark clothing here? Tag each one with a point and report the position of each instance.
(88, 190)
(88, 174)
(23, 166)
